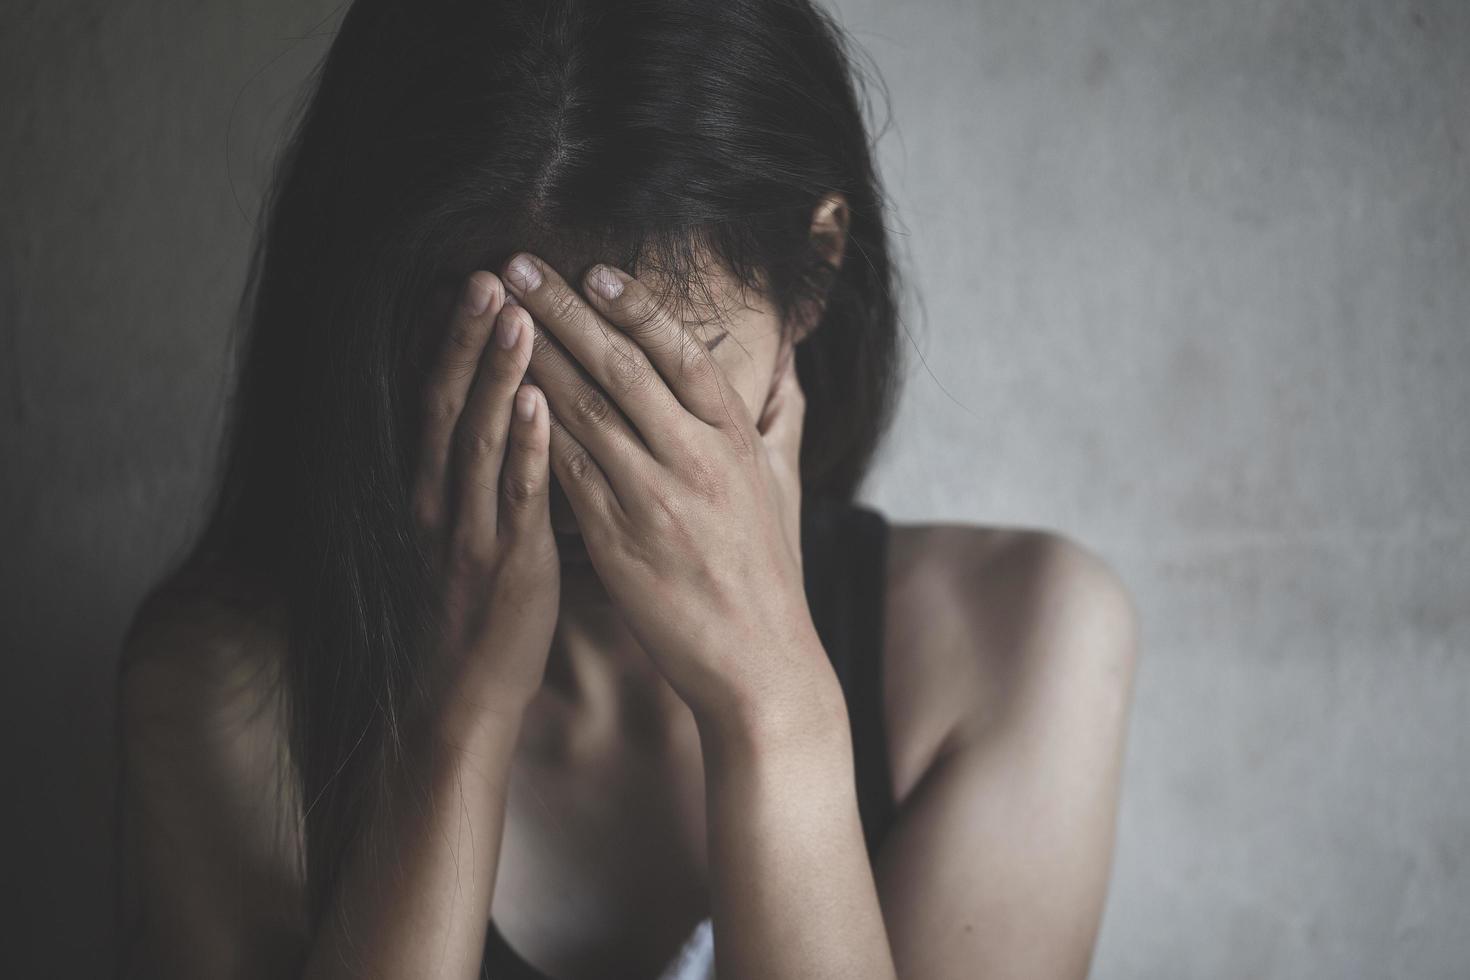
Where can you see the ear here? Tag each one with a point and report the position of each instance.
(830, 220)
(829, 226)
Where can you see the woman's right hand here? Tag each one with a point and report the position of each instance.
(482, 500)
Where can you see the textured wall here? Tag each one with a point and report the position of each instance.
(1191, 283)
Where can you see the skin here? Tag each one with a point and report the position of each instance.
(692, 529)
(649, 696)
(595, 644)
(688, 505)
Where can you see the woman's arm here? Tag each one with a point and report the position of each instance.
(415, 896)
(213, 836)
(208, 819)
(792, 888)
(693, 523)
(997, 864)
(998, 861)
(213, 884)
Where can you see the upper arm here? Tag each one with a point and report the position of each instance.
(210, 882)
(998, 863)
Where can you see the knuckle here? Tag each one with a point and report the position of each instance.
(697, 361)
(702, 476)
(469, 557)
(590, 406)
(643, 317)
(580, 465)
(627, 370)
(464, 336)
(474, 445)
(440, 408)
(543, 348)
(667, 511)
(521, 490)
(505, 370)
(564, 305)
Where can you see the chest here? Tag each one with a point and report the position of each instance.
(603, 868)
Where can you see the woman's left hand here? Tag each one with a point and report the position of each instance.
(688, 506)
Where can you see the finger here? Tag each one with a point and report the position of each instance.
(480, 438)
(584, 409)
(586, 486)
(682, 360)
(617, 364)
(447, 388)
(525, 484)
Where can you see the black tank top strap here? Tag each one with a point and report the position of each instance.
(845, 558)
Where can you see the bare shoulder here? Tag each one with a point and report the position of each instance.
(208, 807)
(977, 617)
(192, 649)
(201, 701)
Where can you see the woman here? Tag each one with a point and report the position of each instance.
(534, 631)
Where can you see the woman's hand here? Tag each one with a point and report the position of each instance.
(481, 498)
(689, 507)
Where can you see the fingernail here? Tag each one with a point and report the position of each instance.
(477, 293)
(507, 329)
(605, 282)
(526, 404)
(523, 273)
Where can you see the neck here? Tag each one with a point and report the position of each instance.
(602, 686)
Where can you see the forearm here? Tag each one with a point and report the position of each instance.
(414, 897)
(793, 893)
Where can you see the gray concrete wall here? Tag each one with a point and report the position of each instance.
(1190, 282)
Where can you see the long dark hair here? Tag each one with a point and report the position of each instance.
(434, 139)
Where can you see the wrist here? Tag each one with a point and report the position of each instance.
(469, 724)
(458, 704)
(466, 736)
(441, 752)
(807, 713)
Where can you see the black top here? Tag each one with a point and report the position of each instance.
(844, 558)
